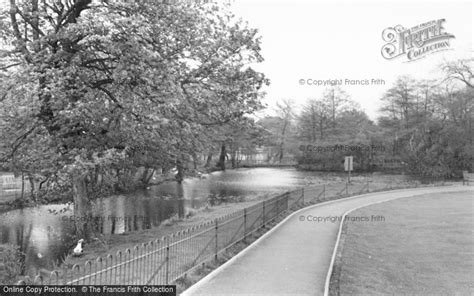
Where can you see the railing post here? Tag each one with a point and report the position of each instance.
(217, 247)
(245, 224)
(302, 195)
(167, 259)
(263, 214)
(368, 186)
(278, 200)
(287, 202)
(64, 275)
(324, 191)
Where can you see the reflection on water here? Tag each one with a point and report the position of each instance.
(45, 233)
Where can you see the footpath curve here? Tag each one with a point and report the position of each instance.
(295, 256)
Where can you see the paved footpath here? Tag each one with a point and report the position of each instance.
(294, 257)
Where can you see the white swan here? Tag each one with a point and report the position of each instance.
(78, 249)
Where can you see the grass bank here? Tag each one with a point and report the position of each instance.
(423, 246)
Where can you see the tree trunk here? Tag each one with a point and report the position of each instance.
(321, 129)
(209, 159)
(222, 157)
(283, 135)
(35, 24)
(32, 187)
(233, 160)
(333, 101)
(144, 176)
(180, 200)
(180, 167)
(148, 176)
(82, 207)
(281, 152)
(22, 185)
(195, 161)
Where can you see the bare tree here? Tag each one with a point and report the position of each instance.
(285, 110)
(460, 70)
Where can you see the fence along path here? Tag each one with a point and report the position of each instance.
(295, 258)
(165, 260)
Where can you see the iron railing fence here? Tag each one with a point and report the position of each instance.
(165, 260)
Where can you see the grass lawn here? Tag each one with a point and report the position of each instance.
(425, 246)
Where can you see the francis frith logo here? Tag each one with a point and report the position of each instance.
(416, 42)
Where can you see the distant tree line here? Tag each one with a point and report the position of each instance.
(425, 126)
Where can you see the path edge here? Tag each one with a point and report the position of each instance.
(336, 246)
(209, 276)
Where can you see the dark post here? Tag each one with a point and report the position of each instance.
(277, 206)
(245, 224)
(167, 259)
(217, 250)
(263, 214)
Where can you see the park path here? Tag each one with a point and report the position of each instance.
(294, 257)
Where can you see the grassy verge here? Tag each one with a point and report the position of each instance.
(423, 247)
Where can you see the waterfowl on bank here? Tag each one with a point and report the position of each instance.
(78, 250)
(201, 175)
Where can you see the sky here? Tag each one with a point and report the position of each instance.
(321, 40)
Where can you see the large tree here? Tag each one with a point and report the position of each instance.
(93, 92)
